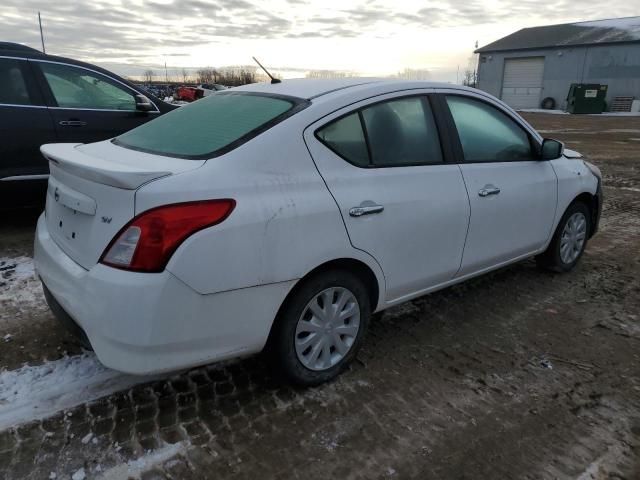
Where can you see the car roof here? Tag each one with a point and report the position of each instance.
(16, 47)
(309, 89)
(16, 50)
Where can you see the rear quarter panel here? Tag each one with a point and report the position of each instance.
(285, 222)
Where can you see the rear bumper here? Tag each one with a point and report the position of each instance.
(149, 323)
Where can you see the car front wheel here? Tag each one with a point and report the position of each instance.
(321, 327)
(569, 240)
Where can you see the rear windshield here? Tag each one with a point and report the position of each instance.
(211, 126)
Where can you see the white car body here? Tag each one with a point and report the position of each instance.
(222, 288)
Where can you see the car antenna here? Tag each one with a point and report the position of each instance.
(273, 79)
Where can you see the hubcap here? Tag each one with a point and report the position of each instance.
(327, 328)
(573, 237)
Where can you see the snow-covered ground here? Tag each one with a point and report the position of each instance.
(561, 112)
(138, 466)
(20, 289)
(31, 393)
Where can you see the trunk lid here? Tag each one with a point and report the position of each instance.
(91, 193)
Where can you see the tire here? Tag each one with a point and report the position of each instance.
(548, 103)
(555, 257)
(289, 341)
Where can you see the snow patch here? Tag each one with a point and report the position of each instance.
(543, 110)
(629, 24)
(136, 467)
(31, 393)
(20, 289)
(79, 475)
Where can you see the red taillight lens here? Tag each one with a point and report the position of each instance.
(147, 242)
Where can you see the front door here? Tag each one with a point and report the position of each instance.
(513, 195)
(87, 106)
(400, 202)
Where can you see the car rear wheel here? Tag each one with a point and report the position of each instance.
(569, 240)
(320, 328)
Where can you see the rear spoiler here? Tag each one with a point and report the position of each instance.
(67, 157)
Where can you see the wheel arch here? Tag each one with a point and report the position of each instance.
(591, 200)
(373, 280)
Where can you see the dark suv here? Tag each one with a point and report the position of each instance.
(45, 99)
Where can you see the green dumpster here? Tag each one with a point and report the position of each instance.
(586, 98)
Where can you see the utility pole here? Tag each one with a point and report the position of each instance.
(475, 67)
(41, 35)
(166, 74)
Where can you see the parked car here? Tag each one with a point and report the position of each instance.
(209, 88)
(189, 94)
(44, 99)
(281, 216)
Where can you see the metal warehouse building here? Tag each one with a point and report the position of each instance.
(535, 63)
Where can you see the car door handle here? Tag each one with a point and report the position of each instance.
(73, 123)
(488, 190)
(365, 210)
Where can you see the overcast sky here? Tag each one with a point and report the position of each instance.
(365, 37)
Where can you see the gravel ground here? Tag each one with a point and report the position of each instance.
(518, 374)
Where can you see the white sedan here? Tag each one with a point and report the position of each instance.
(279, 217)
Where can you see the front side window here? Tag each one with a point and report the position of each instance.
(209, 126)
(487, 134)
(397, 132)
(74, 87)
(13, 89)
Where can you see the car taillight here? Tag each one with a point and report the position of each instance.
(147, 242)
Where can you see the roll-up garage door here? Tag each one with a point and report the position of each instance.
(522, 82)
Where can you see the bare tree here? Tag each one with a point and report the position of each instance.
(470, 78)
(236, 76)
(414, 74)
(185, 75)
(207, 75)
(148, 75)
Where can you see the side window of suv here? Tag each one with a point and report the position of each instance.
(74, 87)
(487, 134)
(397, 132)
(13, 88)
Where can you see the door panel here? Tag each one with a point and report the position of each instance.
(510, 223)
(513, 196)
(25, 123)
(88, 106)
(412, 219)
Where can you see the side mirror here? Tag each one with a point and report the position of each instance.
(143, 104)
(551, 149)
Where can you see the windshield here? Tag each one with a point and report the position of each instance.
(211, 126)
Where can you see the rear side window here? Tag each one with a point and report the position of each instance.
(210, 126)
(346, 138)
(13, 89)
(402, 132)
(395, 133)
(487, 134)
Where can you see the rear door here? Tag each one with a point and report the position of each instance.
(382, 160)
(513, 195)
(25, 123)
(86, 105)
